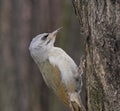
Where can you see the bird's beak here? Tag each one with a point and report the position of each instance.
(52, 36)
(54, 33)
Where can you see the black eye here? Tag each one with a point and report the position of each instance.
(44, 37)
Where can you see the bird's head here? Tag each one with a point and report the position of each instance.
(44, 40)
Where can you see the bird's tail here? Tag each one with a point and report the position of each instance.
(76, 103)
(76, 107)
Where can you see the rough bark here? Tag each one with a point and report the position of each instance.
(100, 28)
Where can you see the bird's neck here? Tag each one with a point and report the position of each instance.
(41, 54)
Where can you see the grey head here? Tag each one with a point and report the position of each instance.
(44, 40)
(41, 43)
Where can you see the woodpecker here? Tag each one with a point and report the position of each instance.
(58, 69)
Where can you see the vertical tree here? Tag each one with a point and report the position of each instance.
(100, 29)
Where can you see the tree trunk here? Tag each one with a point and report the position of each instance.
(100, 29)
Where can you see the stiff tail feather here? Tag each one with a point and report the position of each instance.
(76, 107)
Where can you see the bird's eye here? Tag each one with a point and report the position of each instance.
(44, 37)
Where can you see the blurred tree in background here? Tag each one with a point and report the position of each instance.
(21, 85)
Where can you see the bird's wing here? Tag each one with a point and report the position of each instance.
(68, 70)
(70, 76)
(52, 77)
